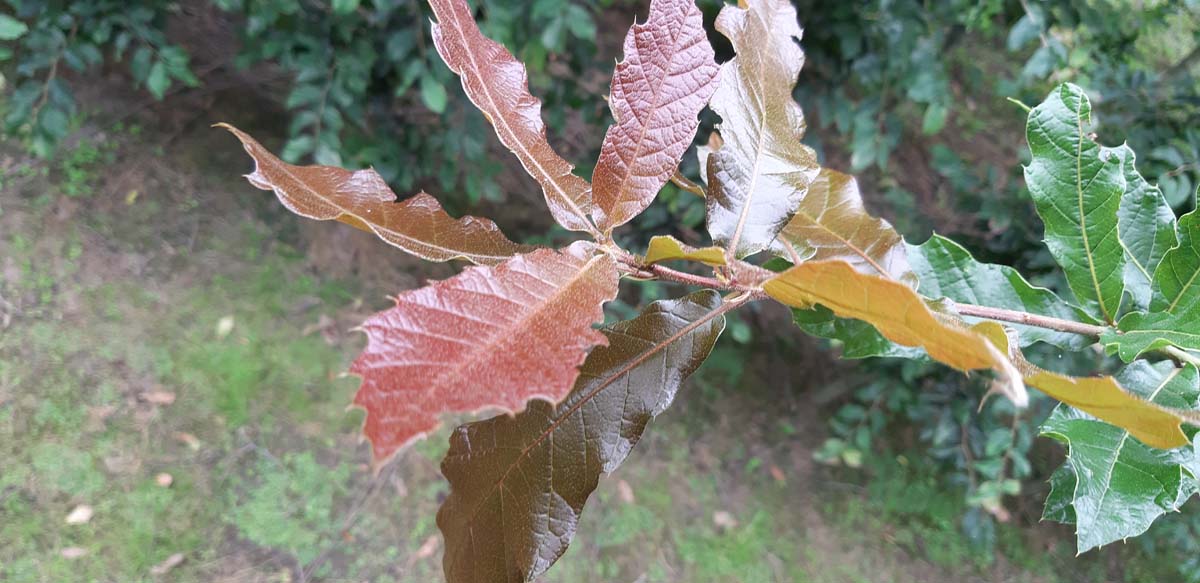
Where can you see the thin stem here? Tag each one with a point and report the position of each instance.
(632, 266)
(1028, 319)
(1182, 356)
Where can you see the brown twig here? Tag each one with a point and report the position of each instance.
(1028, 319)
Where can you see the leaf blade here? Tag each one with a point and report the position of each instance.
(1177, 278)
(1077, 187)
(520, 328)
(657, 92)
(498, 85)
(760, 172)
(1146, 226)
(363, 200)
(622, 387)
(1141, 332)
(667, 248)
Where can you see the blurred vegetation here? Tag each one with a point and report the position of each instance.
(910, 94)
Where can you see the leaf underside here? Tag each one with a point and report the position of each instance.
(488, 338)
(1113, 487)
(498, 85)
(362, 199)
(657, 92)
(519, 483)
(759, 174)
(1077, 186)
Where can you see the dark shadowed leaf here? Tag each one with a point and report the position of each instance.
(657, 92)
(362, 199)
(488, 338)
(832, 223)
(1077, 187)
(498, 85)
(759, 174)
(1116, 486)
(519, 483)
(946, 270)
(1177, 278)
(1146, 226)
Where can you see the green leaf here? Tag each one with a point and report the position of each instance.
(946, 270)
(1141, 332)
(1177, 278)
(1146, 225)
(1077, 189)
(857, 338)
(345, 6)
(1121, 485)
(158, 81)
(433, 94)
(11, 28)
(518, 483)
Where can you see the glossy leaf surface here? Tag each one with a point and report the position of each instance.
(488, 338)
(498, 85)
(665, 248)
(832, 223)
(1141, 332)
(1177, 278)
(1116, 486)
(759, 174)
(658, 90)
(946, 270)
(1147, 228)
(898, 313)
(1077, 189)
(362, 199)
(519, 483)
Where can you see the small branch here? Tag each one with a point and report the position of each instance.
(1027, 319)
(1182, 356)
(685, 183)
(630, 265)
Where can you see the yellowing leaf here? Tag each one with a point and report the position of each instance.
(363, 200)
(666, 248)
(832, 223)
(898, 313)
(1102, 396)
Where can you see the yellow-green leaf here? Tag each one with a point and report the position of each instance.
(898, 312)
(667, 248)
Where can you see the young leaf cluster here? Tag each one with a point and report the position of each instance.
(515, 332)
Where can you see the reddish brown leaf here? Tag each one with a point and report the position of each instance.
(518, 484)
(658, 90)
(497, 84)
(362, 199)
(758, 176)
(488, 338)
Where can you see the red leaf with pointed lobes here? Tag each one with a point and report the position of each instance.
(488, 338)
(497, 84)
(363, 200)
(758, 176)
(657, 93)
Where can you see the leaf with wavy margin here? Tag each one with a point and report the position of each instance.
(1177, 278)
(498, 85)
(488, 338)
(1140, 332)
(667, 248)
(1146, 225)
(1077, 186)
(519, 483)
(657, 92)
(898, 313)
(363, 200)
(832, 223)
(759, 174)
(1125, 485)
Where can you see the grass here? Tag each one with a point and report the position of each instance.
(119, 305)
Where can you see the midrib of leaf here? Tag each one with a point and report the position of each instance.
(1124, 438)
(508, 129)
(1183, 291)
(518, 324)
(376, 226)
(737, 232)
(549, 432)
(861, 253)
(1129, 253)
(653, 108)
(1087, 247)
